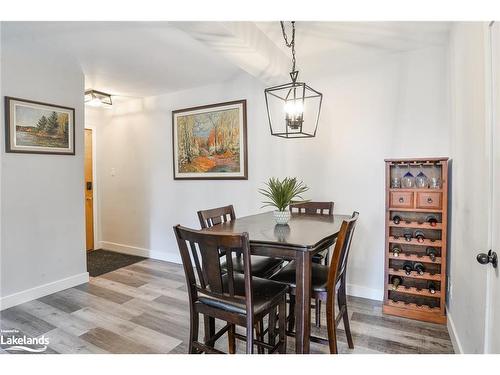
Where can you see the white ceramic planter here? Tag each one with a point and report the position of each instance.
(282, 217)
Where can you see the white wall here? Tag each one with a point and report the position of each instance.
(42, 201)
(387, 109)
(142, 202)
(470, 177)
(397, 107)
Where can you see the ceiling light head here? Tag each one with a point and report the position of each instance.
(293, 108)
(96, 98)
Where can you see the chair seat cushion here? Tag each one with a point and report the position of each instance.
(266, 293)
(319, 277)
(261, 266)
(318, 258)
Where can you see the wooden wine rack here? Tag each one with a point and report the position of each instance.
(413, 299)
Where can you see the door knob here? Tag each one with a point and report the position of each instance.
(491, 257)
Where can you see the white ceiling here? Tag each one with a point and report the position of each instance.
(317, 38)
(127, 58)
(149, 58)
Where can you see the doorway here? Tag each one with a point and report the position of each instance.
(89, 190)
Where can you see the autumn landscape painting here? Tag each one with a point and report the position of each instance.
(208, 142)
(37, 127)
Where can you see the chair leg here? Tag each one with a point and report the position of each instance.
(330, 324)
(259, 329)
(250, 336)
(317, 310)
(231, 339)
(271, 333)
(209, 327)
(282, 325)
(342, 300)
(193, 332)
(291, 314)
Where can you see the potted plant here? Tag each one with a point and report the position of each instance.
(281, 194)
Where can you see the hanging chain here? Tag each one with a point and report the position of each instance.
(291, 43)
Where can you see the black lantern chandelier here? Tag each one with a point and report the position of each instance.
(293, 108)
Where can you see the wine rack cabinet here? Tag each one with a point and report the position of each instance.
(416, 232)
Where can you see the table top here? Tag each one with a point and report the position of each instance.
(304, 231)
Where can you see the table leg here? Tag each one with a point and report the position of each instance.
(303, 302)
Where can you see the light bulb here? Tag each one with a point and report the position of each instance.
(94, 102)
(294, 107)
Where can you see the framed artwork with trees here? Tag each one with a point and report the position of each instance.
(38, 128)
(210, 142)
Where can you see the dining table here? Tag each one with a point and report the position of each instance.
(303, 236)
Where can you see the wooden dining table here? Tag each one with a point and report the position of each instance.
(304, 236)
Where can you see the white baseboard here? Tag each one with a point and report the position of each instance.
(139, 251)
(457, 346)
(42, 290)
(365, 292)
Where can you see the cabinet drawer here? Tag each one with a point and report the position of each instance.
(401, 199)
(429, 200)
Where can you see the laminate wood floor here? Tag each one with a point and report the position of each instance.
(143, 308)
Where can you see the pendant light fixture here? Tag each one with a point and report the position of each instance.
(293, 108)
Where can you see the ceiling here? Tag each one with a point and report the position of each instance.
(150, 58)
(126, 58)
(317, 38)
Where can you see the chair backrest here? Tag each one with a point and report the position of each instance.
(204, 273)
(214, 216)
(311, 208)
(338, 263)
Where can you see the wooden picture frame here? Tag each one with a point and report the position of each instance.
(33, 127)
(210, 142)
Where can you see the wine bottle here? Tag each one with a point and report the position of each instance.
(419, 235)
(396, 281)
(431, 253)
(419, 268)
(396, 219)
(431, 219)
(407, 268)
(396, 250)
(407, 236)
(432, 287)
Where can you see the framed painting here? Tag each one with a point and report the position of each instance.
(38, 128)
(210, 142)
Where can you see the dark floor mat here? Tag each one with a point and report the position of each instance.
(102, 261)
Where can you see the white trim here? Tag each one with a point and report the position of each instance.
(365, 292)
(489, 116)
(43, 290)
(142, 252)
(457, 346)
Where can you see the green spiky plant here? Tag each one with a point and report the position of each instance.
(281, 194)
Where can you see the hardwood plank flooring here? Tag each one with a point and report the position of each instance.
(143, 308)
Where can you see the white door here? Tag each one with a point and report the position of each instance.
(492, 339)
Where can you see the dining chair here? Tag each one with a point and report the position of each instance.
(328, 283)
(237, 298)
(261, 266)
(315, 208)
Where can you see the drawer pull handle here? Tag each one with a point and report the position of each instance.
(429, 200)
(401, 200)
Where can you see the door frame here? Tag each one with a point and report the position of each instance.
(95, 186)
(492, 74)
